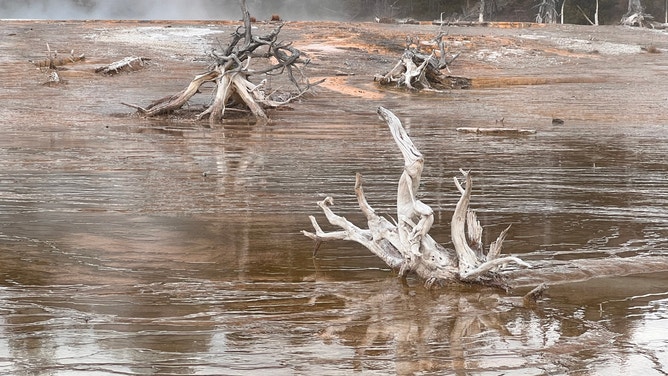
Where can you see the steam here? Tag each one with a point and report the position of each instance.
(170, 9)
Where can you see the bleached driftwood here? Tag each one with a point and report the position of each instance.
(496, 130)
(636, 16)
(131, 63)
(405, 245)
(230, 72)
(418, 70)
(640, 19)
(54, 79)
(53, 61)
(173, 102)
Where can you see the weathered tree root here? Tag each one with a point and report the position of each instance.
(417, 70)
(52, 60)
(640, 19)
(230, 73)
(406, 245)
(173, 102)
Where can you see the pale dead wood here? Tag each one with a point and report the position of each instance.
(419, 70)
(496, 130)
(636, 16)
(231, 74)
(171, 103)
(54, 79)
(53, 61)
(639, 19)
(466, 255)
(130, 63)
(405, 245)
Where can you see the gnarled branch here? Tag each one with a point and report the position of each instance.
(231, 73)
(406, 244)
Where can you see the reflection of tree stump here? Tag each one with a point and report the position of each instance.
(405, 245)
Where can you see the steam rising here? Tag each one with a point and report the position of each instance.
(170, 9)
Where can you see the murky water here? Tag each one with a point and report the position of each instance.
(139, 247)
(162, 249)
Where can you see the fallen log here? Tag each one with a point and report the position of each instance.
(399, 21)
(498, 131)
(405, 244)
(460, 23)
(55, 62)
(128, 64)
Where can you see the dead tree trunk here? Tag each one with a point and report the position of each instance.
(230, 72)
(406, 245)
(636, 16)
(547, 12)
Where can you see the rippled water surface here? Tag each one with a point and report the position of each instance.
(176, 250)
(137, 247)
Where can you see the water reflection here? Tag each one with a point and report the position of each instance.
(198, 304)
(334, 328)
(134, 251)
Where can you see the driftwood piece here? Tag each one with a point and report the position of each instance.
(460, 23)
(496, 131)
(405, 245)
(466, 231)
(56, 62)
(639, 19)
(128, 64)
(173, 102)
(54, 79)
(400, 21)
(230, 72)
(53, 61)
(52, 64)
(418, 70)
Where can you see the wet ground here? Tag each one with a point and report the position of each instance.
(163, 246)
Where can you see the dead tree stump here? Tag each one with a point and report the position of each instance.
(418, 70)
(230, 72)
(405, 244)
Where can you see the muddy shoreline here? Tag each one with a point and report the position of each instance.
(612, 61)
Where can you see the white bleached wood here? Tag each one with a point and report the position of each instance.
(405, 245)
